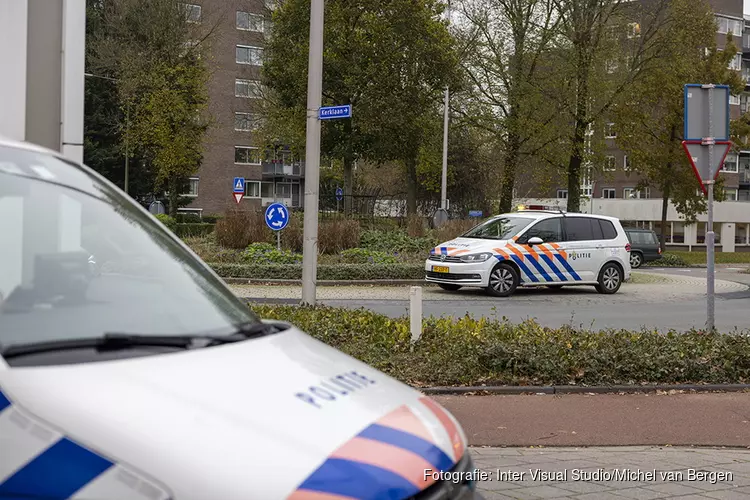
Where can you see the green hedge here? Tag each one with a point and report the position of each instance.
(468, 351)
(185, 230)
(325, 272)
(668, 260)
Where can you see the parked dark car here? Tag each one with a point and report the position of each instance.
(644, 245)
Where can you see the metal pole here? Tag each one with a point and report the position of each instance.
(710, 236)
(278, 241)
(312, 152)
(127, 147)
(446, 119)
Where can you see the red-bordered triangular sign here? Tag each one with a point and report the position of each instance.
(697, 153)
(238, 197)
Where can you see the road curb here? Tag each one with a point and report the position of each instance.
(574, 389)
(248, 281)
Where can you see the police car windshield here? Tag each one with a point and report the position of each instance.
(78, 259)
(501, 228)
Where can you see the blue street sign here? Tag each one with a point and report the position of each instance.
(277, 216)
(339, 194)
(334, 112)
(239, 185)
(475, 213)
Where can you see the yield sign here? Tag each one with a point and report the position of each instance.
(697, 153)
(238, 197)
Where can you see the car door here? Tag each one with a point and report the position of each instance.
(583, 247)
(542, 263)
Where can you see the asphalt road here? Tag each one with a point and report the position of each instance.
(679, 304)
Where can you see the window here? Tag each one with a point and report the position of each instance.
(726, 25)
(266, 190)
(736, 64)
(249, 55)
(609, 193)
(629, 193)
(499, 229)
(243, 122)
(634, 30)
(730, 194)
(562, 194)
(608, 229)
(734, 100)
(246, 155)
(625, 163)
(549, 230)
(192, 12)
(249, 22)
(609, 131)
(610, 164)
(582, 229)
(252, 189)
(731, 163)
(192, 189)
(248, 89)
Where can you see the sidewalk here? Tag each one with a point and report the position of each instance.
(712, 419)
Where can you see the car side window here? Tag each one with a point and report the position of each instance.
(579, 229)
(549, 230)
(608, 229)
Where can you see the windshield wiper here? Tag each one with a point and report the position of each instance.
(117, 341)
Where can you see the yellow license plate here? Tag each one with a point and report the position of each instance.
(440, 269)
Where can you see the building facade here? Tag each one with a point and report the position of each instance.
(233, 149)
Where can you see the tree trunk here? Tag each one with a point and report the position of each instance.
(664, 208)
(348, 183)
(411, 185)
(174, 196)
(509, 173)
(574, 168)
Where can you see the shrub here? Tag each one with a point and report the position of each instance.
(669, 260)
(325, 272)
(453, 229)
(338, 234)
(239, 228)
(207, 249)
(365, 256)
(469, 351)
(415, 226)
(396, 241)
(167, 221)
(186, 230)
(293, 235)
(265, 253)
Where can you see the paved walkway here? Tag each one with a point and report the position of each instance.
(613, 473)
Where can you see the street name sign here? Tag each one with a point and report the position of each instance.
(335, 112)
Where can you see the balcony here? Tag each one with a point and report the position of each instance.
(746, 44)
(744, 178)
(277, 169)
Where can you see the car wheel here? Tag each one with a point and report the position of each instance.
(610, 279)
(450, 288)
(636, 260)
(504, 280)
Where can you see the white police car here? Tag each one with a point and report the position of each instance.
(534, 248)
(147, 379)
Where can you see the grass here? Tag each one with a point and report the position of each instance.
(721, 257)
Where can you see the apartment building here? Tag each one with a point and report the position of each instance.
(238, 32)
(612, 190)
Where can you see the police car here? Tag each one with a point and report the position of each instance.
(142, 377)
(534, 248)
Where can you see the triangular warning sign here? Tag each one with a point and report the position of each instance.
(238, 186)
(697, 153)
(238, 197)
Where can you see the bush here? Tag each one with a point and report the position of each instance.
(207, 249)
(365, 256)
(453, 229)
(325, 272)
(415, 226)
(338, 234)
(167, 221)
(668, 260)
(265, 253)
(468, 351)
(396, 241)
(239, 228)
(186, 230)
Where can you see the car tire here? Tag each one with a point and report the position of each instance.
(504, 279)
(610, 279)
(449, 287)
(636, 260)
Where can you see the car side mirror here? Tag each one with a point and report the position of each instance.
(535, 241)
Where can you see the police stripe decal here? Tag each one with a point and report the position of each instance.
(540, 268)
(410, 442)
(567, 267)
(358, 480)
(4, 403)
(518, 260)
(59, 472)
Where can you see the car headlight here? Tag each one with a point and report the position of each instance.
(476, 257)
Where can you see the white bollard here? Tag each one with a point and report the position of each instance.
(415, 312)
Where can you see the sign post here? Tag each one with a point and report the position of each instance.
(238, 189)
(706, 127)
(277, 218)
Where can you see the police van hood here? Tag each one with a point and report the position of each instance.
(466, 246)
(254, 419)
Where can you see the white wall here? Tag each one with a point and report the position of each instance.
(13, 27)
